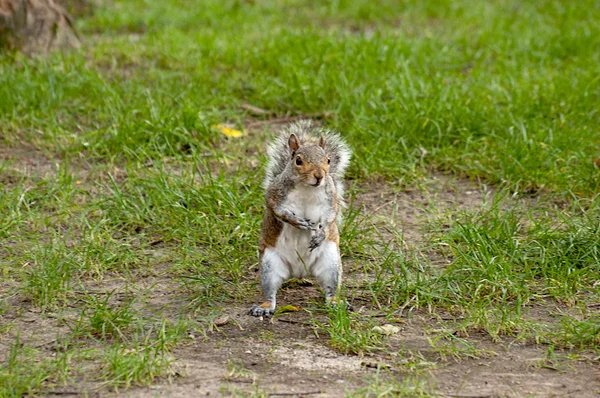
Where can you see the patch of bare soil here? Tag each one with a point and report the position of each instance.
(25, 161)
(16, 163)
(411, 210)
(518, 371)
(249, 355)
(285, 357)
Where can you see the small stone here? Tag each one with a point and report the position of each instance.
(221, 321)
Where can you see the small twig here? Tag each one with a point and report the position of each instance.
(60, 392)
(291, 321)
(382, 206)
(549, 367)
(379, 316)
(465, 396)
(291, 394)
(231, 380)
(256, 110)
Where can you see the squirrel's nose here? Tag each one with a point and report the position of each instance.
(318, 178)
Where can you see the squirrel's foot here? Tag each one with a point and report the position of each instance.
(336, 303)
(264, 309)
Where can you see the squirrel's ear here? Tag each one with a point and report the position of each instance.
(293, 143)
(322, 142)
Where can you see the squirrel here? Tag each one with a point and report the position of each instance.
(304, 194)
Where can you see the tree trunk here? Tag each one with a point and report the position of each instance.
(35, 25)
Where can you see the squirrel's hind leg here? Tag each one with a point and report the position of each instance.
(328, 270)
(273, 272)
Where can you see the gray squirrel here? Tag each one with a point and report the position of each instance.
(304, 188)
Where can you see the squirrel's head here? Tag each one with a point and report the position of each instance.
(310, 162)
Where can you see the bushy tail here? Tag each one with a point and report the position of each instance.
(335, 146)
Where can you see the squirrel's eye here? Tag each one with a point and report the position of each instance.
(328, 160)
(298, 161)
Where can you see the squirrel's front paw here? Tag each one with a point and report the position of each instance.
(315, 241)
(305, 223)
(258, 310)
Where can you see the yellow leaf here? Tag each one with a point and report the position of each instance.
(286, 308)
(226, 130)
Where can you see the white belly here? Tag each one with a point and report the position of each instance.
(292, 243)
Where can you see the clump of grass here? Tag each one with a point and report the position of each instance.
(500, 264)
(144, 356)
(349, 332)
(47, 280)
(388, 385)
(99, 252)
(25, 373)
(207, 289)
(136, 365)
(579, 334)
(448, 345)
(106, 321)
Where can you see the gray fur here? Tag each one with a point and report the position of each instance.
(329, 281)
(269, 284)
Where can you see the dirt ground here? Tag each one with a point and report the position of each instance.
(285, 357)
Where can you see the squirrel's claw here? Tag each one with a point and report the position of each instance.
(317, 238)
(305, 223)
(257, 310)
(315, 241)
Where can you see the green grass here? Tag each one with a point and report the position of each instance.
(350, 333)
(465, 83)
(139, 362)
(107, 320)
(117, 174)
(581, 334)
(23, 373)
(379, 386)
